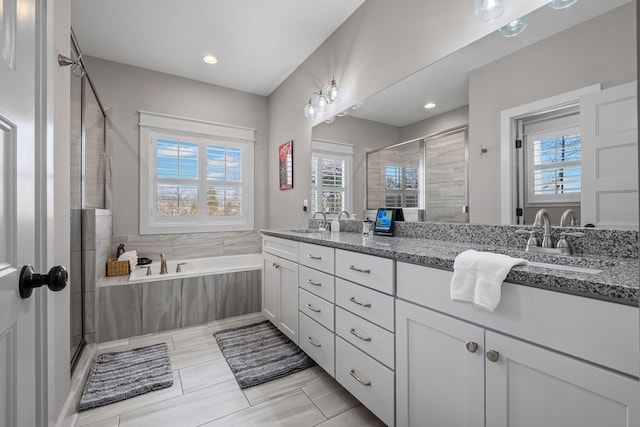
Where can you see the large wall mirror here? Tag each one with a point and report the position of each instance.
(592, 43)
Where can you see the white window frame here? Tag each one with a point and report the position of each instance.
(336, 151)
(154, 125)
(553, 199)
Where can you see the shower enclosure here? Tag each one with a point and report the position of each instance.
(89, 182)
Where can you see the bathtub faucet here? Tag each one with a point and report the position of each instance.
(163, 264)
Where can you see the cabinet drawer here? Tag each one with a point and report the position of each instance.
(374, 306)
(283, 248)
(371, 271)
(315, 256)
(318, 343)
(318, 283)
(369, 381)
(316, 308)
(368, 337)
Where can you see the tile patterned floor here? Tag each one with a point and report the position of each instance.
(205, 393)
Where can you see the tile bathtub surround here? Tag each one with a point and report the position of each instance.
(140, 308)
(205, 392)
(193, 245)
(597, 242)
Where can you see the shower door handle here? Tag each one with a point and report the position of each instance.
(55, 279)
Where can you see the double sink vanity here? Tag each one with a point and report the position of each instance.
(561, 348)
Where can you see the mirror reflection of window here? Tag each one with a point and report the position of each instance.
(331, 165)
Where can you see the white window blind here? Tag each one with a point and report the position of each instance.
(331, 165)
(553, 160)
(402, 187)
(194, 181)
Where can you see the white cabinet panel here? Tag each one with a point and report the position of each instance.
(369, 381)
(440, 382)
(315, 256)
(318, 283)
(374, 306)
(318, 342)
(283, 248)
(289, 299)
(316, 308)
(529, 386)
(373, 340)
(371, 271)
(270, 288)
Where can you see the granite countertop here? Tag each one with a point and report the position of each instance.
(617, 282)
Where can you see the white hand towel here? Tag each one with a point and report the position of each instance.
(478, 276)
(132, 257)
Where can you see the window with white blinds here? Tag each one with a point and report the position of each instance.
(553, 161)
(331, 165)
(194, 181)
(402, 189)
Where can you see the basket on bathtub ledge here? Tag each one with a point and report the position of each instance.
(117, 268)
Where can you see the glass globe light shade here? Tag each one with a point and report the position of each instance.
(561, 4)
(488, 10)
(321, 101)
(310, 111)
(515, 27)
(333, 92)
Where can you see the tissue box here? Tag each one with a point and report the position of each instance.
(117, 268)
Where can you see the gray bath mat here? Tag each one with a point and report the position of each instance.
(259, 353)
(125, 374)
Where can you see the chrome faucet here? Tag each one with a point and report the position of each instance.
(565, 221)
(324, 219)
(344, 212)
(542, 218)
(163, 264)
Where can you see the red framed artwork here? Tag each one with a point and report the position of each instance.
(285, 160)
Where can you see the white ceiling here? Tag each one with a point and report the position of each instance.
(258, 43)
(447, 81)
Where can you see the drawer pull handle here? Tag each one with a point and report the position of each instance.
(314, 257)
(355, 301)
(312, 308)
(472, 347)
(493, 356)
(313, 342)
(357, 335)
(359, 270)
(360, 380)
(311, 282)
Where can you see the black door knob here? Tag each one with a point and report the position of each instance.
(56, 279)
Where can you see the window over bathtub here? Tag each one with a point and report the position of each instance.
(195, 176)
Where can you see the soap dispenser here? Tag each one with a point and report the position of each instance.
(335, 226)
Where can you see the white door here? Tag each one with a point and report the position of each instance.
(529, 386)
(288, 299)
(270, 288)
(609, 123)
(17, 212)
(439, 369)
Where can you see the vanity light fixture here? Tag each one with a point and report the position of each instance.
(210, 59)
(488, 10)
(515, 27)
(318, 101)
(429, 105)
(561, 4)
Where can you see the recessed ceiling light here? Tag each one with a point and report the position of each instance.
(210, 59)
(429, 105)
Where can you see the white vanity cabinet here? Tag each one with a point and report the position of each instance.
(280, 284)
(574, 363)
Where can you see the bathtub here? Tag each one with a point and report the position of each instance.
(207, 289)
(197, 267)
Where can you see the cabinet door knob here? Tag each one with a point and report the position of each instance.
(472, 347)
(493, 355)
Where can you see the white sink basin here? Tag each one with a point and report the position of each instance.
(565, 267)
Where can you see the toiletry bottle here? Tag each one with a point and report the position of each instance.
(120, 250)
(335, 226)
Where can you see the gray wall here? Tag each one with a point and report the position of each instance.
(125, 89)
(442, 122)
(381, 43)
(365, 135)
(579, 57)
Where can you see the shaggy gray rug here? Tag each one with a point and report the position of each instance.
(259, 353)
(120, 375)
